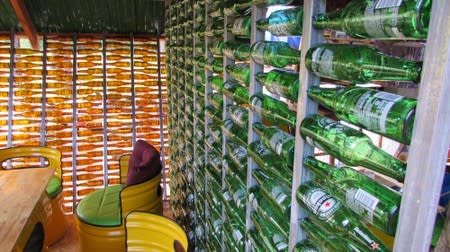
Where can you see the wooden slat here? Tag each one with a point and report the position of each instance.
(430, 139)
(26, 23)
(305, 106)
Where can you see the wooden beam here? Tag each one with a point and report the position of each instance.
(26, 23)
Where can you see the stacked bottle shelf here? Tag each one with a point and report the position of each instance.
(244, 124)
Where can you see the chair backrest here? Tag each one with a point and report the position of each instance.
(151, 232)
(142, 197)
(53, 155)
(123, 166)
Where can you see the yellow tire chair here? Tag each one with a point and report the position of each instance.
(50, 209)
(151, 232)
(101, 214)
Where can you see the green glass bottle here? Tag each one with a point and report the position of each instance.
(390, 115)
(199, 32)
(265, 209)
(262, 3)
(216, 100)
(230, 166)
(236, 91)
(308, 246)
(241, 27)
(359, 64)
(239, 8)
(277, 193)
(237, 153)
(200, 62)
(214, 65)
(281, 82)
(256, 243)
(279, 141)
(326, 240)
(201, 77)
(375, 203)
(234, 131)
(379, 19)
(239, 115)
(240, 72)
(272, 239)
(217, 48)
(276, 111)
(335, 217)
(237, 50)
(274, 53)
(215, 28)
(214, 114)
(287, 22)
(350, 146)
(216, 83)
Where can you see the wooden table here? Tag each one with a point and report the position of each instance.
(20, 191)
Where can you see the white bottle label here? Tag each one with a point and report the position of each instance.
(322, 62)
(278, 194)
(279, 29)
(262, 150)
(238, 24)
(372, 110)
(258, 52)
(239, 153)
(256, 103)
(378, 27)
(237, 235)
(322, 204)
(362, 202)
(277, 141)
(237, 116)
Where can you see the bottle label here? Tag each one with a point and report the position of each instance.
(239, 197)
(372, 110)
(322, 62)
(237, 235)
(258, 52)
(381, 19)
(256, 103)
(237, 115)
(362, 202)
(279, 242)
(279, 29)
(228, 85)
(278, 195)
(322, 204)
(365, 237)
(262, 150)
(239, 153)
(277, 141)
(238, 24)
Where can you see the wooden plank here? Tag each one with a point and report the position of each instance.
(20, 191)
(431, 138)
(26, 22)
(255, 87)
(305, 106)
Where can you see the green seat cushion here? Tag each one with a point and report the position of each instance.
(54, 186)
(102, 207)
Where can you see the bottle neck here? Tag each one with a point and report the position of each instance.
(319, 168)
(330, 20)
(382, 162)
(324, 96)
(259, 128)
(391, 68)
(263, 24)
(261, 77)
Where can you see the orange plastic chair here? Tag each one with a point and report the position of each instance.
(53, 218)
(151, 232)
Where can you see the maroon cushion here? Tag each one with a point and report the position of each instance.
(144, 163)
